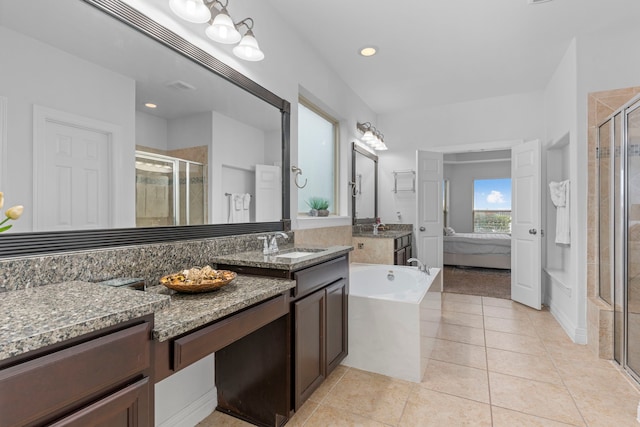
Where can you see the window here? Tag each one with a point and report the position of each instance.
(317, 137)
(492, 205)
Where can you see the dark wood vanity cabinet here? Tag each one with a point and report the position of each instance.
(403, 249)
(99, 379)
(320, 334)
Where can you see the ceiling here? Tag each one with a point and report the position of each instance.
(440, 52)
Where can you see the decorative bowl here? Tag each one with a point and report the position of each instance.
(197, 279)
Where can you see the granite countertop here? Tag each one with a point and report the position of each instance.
(384, 234)
(257, 259)
(190, 311)
(38, 317)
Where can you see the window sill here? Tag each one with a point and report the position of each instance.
(306, 222)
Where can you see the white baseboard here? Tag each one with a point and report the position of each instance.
(577, 335)
(195, 412)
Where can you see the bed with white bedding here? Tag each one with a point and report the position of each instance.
(489, 250)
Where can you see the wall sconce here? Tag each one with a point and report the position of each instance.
(220, 26)
(372, 136)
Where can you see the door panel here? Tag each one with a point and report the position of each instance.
(429, 224)
(526, 241)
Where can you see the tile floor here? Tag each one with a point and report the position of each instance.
(494, 363)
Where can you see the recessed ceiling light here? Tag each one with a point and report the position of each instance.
(368, 51)
(150, 105)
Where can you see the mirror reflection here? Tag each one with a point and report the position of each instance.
(364, 185)
(108, 128)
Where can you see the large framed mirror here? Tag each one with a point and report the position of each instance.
(364, 185)
(118, 131)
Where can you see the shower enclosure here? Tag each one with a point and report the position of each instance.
(618, 159)
(169, 191)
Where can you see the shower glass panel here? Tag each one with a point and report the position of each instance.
(197, 194)
(618, 237)
(606, 208)
(633, 239)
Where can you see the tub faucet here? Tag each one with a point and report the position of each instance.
(421, 267)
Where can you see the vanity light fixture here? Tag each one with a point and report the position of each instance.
(372, 136)
(221, 27)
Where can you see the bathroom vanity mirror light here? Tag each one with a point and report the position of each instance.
(364, 185)
(80, 44)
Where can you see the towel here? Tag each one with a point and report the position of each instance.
(236, 213)
(246, 203)
(559, 192)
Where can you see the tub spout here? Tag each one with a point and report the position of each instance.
(421, 267)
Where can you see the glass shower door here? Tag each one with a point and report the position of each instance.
(155, 195)
(605, 211)
(633, 239)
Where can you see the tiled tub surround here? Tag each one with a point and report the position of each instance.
(34, 318)
(148, 261)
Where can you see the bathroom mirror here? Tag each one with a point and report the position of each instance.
(364, 185)
(79, 138)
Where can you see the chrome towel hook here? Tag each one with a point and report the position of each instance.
(298, 172)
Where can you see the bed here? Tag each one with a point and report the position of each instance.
(488, 250)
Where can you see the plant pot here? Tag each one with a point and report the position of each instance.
(323, 212)
(313, 212)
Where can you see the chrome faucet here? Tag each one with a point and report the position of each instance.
(273, 245)
(376, 226)
(421, 267)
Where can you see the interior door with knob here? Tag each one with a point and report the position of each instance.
(526, 235)
(429, 215)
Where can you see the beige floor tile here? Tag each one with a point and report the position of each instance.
(470, 299)
(427, 408)
(498, 302)
(569, 350)
(218, 419)
(533, 367)
(460, 354)
(504, 313)
(507, 418)
(512, 326)
(303, 414)
(462, 307)
(462, 319)
(459, 333)
(371, 395)
(326, 416)
(462, 381)
(603, 408)
(514, 342)
(322, 391)
(534, 398)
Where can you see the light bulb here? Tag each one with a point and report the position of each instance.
(222, 29)
(248, 48)
(191, 10)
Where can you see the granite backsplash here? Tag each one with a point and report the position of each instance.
(148, 261)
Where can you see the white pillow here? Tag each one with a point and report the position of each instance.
(448, 231)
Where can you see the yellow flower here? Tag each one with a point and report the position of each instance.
(1, 199)
(14, 212)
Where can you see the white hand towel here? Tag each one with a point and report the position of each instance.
(246, 203)
(235, 208)
(560, 197)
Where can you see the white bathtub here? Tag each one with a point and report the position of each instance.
(388, 308)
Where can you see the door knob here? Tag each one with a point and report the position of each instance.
(422, 228)
(533, 231)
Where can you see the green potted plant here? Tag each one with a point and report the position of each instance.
(319, 206)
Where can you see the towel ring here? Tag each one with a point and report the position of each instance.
(298, 172)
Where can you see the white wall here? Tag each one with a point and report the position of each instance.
(34, 74)
(461, 177)
(151, 131)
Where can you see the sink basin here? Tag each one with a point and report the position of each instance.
(297, 253)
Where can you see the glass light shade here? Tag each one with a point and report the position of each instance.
(248, 49)
(222, 29)
(368, 136)
(191, 10)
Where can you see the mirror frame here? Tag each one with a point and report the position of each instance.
(38, 243)
(356, 149)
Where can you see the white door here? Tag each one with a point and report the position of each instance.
(526, 239)
(429, 218)
(268, 193)
(74, 178)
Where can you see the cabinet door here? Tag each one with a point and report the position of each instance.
(337, 341)
(309, 337)
(128, 407)
(400, 257)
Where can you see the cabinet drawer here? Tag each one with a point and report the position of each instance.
(320, 275)
(195, 346)
(52, 384)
